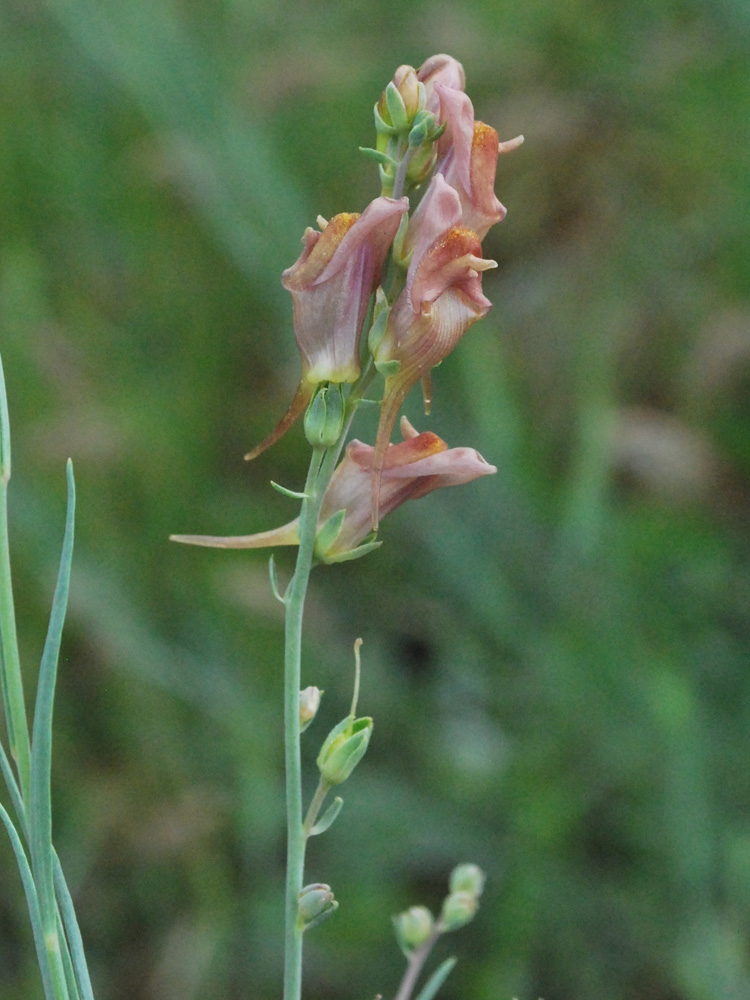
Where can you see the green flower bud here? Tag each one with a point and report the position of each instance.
(315, 901)
(413, 927)
(458, 909)
(467, 878)
(309, 702)
(343, 749)
(324, 419)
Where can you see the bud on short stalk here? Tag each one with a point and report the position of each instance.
(343, 749)
(315, 903)
(309, 703)
(324, 419)
(458, 909)
(413, 927)
(467, 878)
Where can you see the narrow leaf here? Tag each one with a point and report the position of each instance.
(274, 580)
(13, 790)
(437, 979)
(72, 932)
(40, 805)
(32, 902)
(328, 817)
(288, 493)
(381, 158)
(70, 976)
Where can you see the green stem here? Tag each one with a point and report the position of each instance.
(415, 963)
(318, 477)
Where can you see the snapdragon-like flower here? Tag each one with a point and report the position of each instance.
(331, 283)
(442, 299)
(470, 162)
(418, 465)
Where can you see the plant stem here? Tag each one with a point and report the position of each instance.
(415, 962)
(318, 477)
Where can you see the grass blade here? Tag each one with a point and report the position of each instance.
(40, 804)
(72, 932)
(32, 902)
(70, 976)
(10, 667)
(13, 790)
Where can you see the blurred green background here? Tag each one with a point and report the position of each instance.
(556, 657)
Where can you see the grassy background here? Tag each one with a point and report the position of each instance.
(556, 658)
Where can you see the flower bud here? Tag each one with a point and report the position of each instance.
(309, 703)
(402, 99)
(467, 878)
(324, 419)
(458, 909)
(413, 927)
(343, 749)
(315, 900)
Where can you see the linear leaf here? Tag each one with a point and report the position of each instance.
(40, 805)
(13, 790)
(72, 932)
(437, 979)
(32, 902)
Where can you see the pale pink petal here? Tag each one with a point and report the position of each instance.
(457, 111)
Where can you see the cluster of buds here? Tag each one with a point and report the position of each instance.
(416, 928)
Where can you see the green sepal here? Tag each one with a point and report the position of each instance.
(274, 580)
(288, 493)
(381, 126)
(388, 368)
(422, 129)
(351, 554)
(322, 916)
(328, 534)
(383, 158)
(396, 107)
(437, 979)
(328, 818)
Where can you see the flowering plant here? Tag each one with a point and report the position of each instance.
(388, 292)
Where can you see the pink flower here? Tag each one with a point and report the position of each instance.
(418, 465)
(442, 298)
(331, 283)
(470, 163)
(442, 70)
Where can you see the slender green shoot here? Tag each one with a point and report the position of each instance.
(40, 802)
(72, 932)
(10, 666)
(32, 902)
